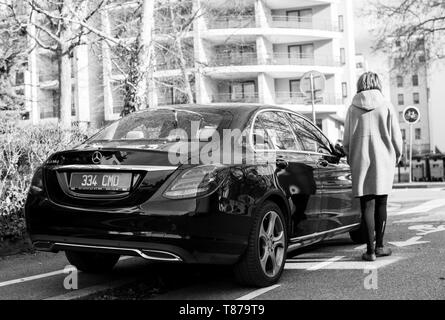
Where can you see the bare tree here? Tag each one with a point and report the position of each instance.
(60, 26)
(12, 59)
(411, 31)
(137, 63)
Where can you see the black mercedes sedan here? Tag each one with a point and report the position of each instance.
(239, 185)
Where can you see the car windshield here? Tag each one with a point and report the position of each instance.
(160, 126)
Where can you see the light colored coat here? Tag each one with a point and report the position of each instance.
(373, 143)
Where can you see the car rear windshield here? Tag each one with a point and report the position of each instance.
(162, 125)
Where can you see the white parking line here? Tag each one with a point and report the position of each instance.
(43, 275)
(31, 278)
(423, 208)
(342, 265)
(258, 292)
(325, 263)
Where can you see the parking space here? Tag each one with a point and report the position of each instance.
(330, 270)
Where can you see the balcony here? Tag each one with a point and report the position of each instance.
(173, 64)
(231, 22)
(234, 59)
(235, 98)
(300, 23)
(284, 58)
(297, 98)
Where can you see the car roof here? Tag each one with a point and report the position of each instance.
(241, 112)
(234, 108)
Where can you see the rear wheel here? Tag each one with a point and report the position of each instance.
(92, 262)
(264, 259)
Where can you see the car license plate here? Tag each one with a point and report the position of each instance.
(101, 181)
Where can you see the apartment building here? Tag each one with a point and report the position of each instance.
(411, 89)
(252, 51)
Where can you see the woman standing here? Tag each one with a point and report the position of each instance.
(373, 144)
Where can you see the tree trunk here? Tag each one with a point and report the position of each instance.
(185, 76)
(181, 58)
(145, 84)
(65, 70)
(65, 89)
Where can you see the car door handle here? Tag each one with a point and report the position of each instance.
(282, 164)
(323, 163)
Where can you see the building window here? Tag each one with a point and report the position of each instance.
(243, 91)
(403, 134)
(304, 15)
(341, 23)
(418, 134)
(342, 56)
(398, 43)
(400, 99)
(415, 80)
(19, 78)
(344, 89)
(399, 81)
(294, 86)
(305, 51)
(416, 98)
(400, 116)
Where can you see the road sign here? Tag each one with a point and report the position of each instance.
(411, 115)
(312, 84)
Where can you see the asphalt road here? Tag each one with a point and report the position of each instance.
(331, 270)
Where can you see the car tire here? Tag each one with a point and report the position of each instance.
(359, 236)
(256, 267)
(92, 262)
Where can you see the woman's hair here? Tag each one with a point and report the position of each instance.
(369, 81)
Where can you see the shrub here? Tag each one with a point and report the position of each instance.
(22, 150)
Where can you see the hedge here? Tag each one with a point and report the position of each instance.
(23, 148)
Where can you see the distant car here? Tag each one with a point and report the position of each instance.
(125, 192)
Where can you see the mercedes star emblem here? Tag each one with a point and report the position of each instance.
(97, 157)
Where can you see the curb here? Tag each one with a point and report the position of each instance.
(417, 185)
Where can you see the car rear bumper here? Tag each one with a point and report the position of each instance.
(149, 251)
(187, 236)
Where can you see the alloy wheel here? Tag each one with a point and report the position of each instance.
(271, 244)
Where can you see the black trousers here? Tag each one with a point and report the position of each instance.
(374, 213)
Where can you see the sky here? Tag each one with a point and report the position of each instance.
(363, 44)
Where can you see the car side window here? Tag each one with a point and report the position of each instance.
(312, 139)
(278, 130)
(260, 137)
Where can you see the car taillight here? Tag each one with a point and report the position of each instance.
(37, 181)
(196, 182)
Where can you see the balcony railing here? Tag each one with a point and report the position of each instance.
(235, 59)
(235, 98)
(172, 65)
(285, 58)
(301, 99)
(300, 23)
(164, 101)
(231, 22)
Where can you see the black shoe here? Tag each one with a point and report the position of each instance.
(369, 256)
(383, 252)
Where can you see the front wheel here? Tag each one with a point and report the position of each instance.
(92, 262)
(263, 262)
